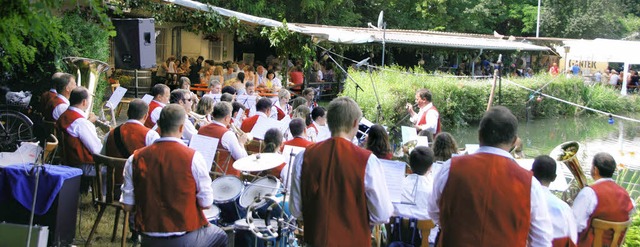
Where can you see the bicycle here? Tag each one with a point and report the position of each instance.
(15, 126)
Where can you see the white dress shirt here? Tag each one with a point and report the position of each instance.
(85, 131)
(416, 191)
(188, 130)
(230, 142)
(564, 224)
(155, 114)
(540, 229)
(585, 203)
(376, 192)
(61, 108)
(151, 136)
(204, 192)
(432, 119)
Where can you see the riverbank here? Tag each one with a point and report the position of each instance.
(462, 101)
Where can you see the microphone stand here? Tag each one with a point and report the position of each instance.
(36, 168)
(345, 72)
(379, 116)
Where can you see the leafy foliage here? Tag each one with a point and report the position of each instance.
(583, 19)
(463, 101)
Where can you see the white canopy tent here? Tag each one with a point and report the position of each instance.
(604, 50)
(356, 35)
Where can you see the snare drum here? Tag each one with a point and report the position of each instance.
(226, 191)
(268, 185)
(244, 237)
(212, 214)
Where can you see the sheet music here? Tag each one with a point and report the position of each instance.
(215, 97)
(247, 100)
(207, 146)
(394, 174)
(286, 152)
(560, 184)
(147, 98)
(116, 97)
(263, 124)
(366, 122)
(423, 141)
(408, 134)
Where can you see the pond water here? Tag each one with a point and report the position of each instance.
(540, 136)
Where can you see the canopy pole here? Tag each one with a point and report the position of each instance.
(623, 91)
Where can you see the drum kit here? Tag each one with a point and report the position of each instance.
(257, 210)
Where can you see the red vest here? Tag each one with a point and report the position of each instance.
(563, 242)
(165, 189)
(247, 124)
(51, 105)
(74, 153)
(334, 205)
(297, 142)
(281, 113)
(423, 119)
(152, 106)
(45, 98)
(134, 137)
(614, 204)
(485, 202)
(217, 131)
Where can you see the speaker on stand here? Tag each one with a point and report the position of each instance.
(135, 46)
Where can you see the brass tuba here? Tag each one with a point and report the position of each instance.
(569, 154)
(87, 72)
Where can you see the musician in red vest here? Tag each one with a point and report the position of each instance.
(263, 109)
(318, 130)
(309, 94)
(80, 139)
(228, 141)
(564, 224)
(161, 94)
(604, 200)
(486, 198)
(131, 135)
(428, 118)
(282, 106)
(167, 194)
(48, 95)
(337, 188)
(65, 83)
(298, 130)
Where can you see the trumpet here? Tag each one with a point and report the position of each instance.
(239, 133)
(200, 120)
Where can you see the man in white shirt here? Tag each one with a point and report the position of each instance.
(488, 188)
(161, 94)
(228, 139)
(64, 84)
(183, 98)
(564, 224)
(604, 199)
(416, 188)
(339, 202)
(168, 195)
(428, 118)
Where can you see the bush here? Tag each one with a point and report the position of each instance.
(463, 101)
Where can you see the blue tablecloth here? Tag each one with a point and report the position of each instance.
(18, 181)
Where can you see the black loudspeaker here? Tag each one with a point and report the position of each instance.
(135, 43)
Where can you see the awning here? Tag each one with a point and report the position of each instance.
(356, 35)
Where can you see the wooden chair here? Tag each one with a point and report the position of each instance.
(254, 146)
(114, 167)
(601, 226)
(424, 226)
(50, 148)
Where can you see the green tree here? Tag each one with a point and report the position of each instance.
(583, 19)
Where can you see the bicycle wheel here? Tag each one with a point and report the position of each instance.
(15, 127)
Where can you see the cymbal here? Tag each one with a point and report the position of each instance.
(258, 162)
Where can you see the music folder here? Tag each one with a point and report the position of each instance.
(394, 175)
